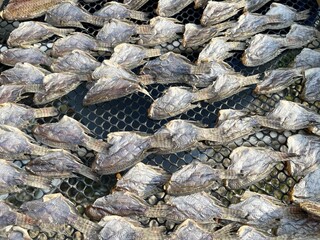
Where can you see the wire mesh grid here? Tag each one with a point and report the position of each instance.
(130, 114)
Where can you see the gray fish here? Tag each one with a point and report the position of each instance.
(311, 92)
(32, 32)
(168, 8)
(120, 228)
(308, 188)
(264, 48)
(13, 176)
(135, 4)
(78, 41)
(219, 48)
(13, 93)
(114, 82)
(31, 55)
(28, 9)
(69, 14)
(294, 116)
(196, 35)
(255, 164)
(308, 147)
(54, 211)
(278, 80)
(68, 133)
(115, 10)
(59, 164)
(161, 30)
(24, 74)
(125, 149)
(131, 56)
(200, 207)
(307, 58)
(300, 229)
(143, 180)
(16, 144)
(19, 115)
(196, 177)
(56, 85)
(77, 61)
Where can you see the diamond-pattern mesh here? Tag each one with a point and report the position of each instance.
(130, 114)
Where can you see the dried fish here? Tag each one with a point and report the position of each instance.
(68, 133)
(201, 207)
(308, 188)
(69, 14)
(31, 55)
(19, 115)
(143, 180)
(304, 228)
(15, 144)
(77, 61)
(161, 30)
(308, 147)
(56, 85)
(247, 233)
(135, 4)
(278, 80)
(114, 82)
(59, 164)
(308, 58)
(119, 228)
(131, 56)
(254, 5)
(54, 211)
(28, 9)
(264, 48)
(12, 177)
(195, 35)
(255, 164)
(125, 150)
(125, 204)
(294, 116)
(115, 10)
(32, 32)
(219, 48)
(13, 93)
(24, 74)
(196, 177)
(311, 92)
(78, 41)
(168, 8)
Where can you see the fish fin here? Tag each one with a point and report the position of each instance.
(38, 181)
(89, 173)
(146, 79)
(157, 211)
(155, 52)
(96, 20)
(152, 233)
(226, 231)
(144, 29)
(63, 32)
(45, 112)
(234, 215)
(303, 15)
(138, 15)
(144, 91)
(87, 227)
(96, 145)
(32, 88)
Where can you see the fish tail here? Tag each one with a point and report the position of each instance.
(63, 32)
(89, 173)
(38, 181)
(234, 215)
(295, 211)
(254, 79)
(238, 45)
(268, 123)
(152, 233)
(96, 145)
(39, 150)
(155, 52)
(144, 29)
(138, 15)
(25, 221)
(32, 88)
(303, 15)
(159, 211)
(87, 227)
(45, 112)
(146, 79)
(226, 232)
(102, 46)
(96, 20)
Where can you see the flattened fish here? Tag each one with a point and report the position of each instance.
(56, 85)
(311, 90)
(115, 10)
(69, 14)
(12, 177)
(77, 61)
(13, 93)
(32, 32)
(278, 80)
(125, 150)
(131, 56)
(135, 4)
(115, 227)
(304, 228)
(68, 133)
(143, 180)
(78, 41)
(168, 8)
(308, 58)
(31, 55)
(59, 164)
(54, 211)
(19, 115)
(28, 9)
(161, 30)
(24, 74)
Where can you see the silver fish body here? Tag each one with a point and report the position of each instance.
(311, 92)
(308, 58)
(168, 8)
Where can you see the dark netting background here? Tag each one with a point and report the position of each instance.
(130, 114)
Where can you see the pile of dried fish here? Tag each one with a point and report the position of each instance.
(132, 40)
